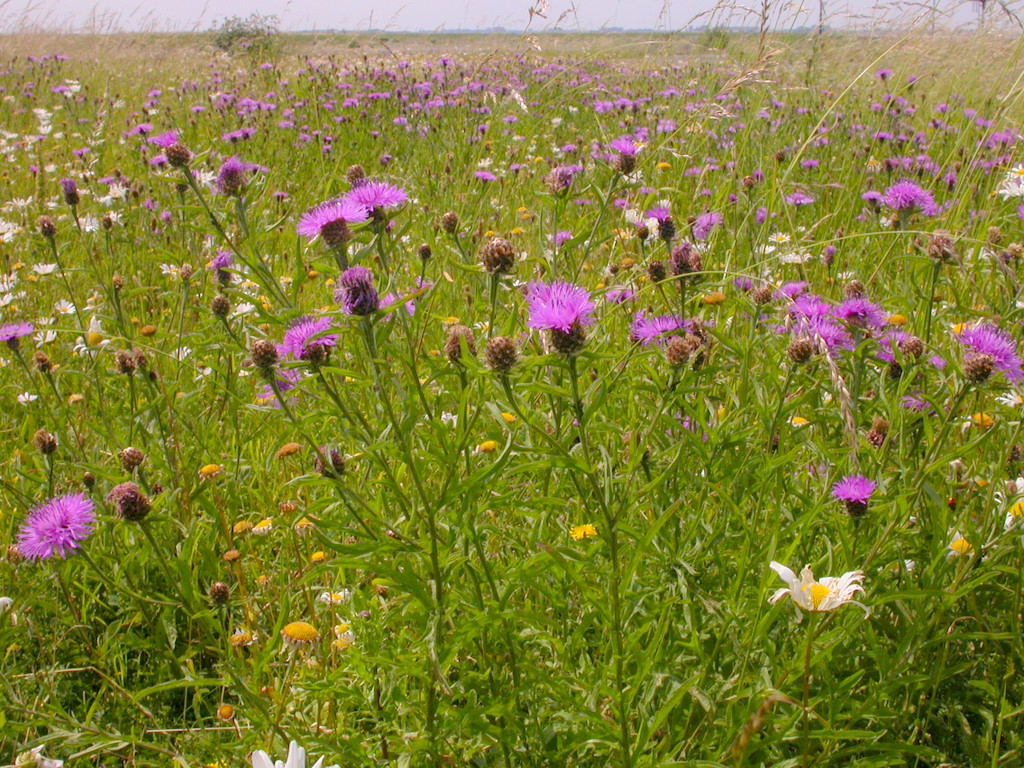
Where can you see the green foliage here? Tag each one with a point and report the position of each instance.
(256, 35)
(487, 627)
(716, 38)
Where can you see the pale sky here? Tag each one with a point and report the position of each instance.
(430, 15)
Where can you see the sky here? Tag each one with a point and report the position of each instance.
(440, 15)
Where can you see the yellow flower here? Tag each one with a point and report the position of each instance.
(299, 634)
(663, 166)
(983, 420)
(509, 418)
(487, 446)
(242, 526)
(225, 713)
(799, 421)
(263, 527)
(242, 638)
(897, 320)
(304, 526)
(75, 398)
(318, 557)
(211, 471)
(713, 299)
(959, 546)
(581, 532)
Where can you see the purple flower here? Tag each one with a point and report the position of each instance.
(57, 527)
(624, 146)
(619, 296)
(307, 339)
(286, 379)
(704, 223)
(558, 306)
(908, 196)
(799, 198)
(561, 177)
(356, 293)
(997, 343)
(330, 221)
(654, 330)
(223, 260)
(70, 190)
(233, 176)
(165, 140)
(860, 313)
(856, 491)
(377, 197)
(12, 333)
(485, 176)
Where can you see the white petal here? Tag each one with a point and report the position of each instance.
(784, 573)
(778, 596)
(260, 759)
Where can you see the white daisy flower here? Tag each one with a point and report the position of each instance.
(816, 596)
(64, 307)
(335, 598)
(296, 759)
(27, 397)
(44, 269)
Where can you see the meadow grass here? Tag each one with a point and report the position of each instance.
(442, 524)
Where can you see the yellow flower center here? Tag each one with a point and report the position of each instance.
(300, 632)
(1017, 510)
(961, 546)
(818, 593)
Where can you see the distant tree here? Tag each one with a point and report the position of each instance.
(256, 35)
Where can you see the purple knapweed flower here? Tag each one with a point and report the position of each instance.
(165, 140)
(558, 306)
(562, 309)
(997, 344)
(308, 339)
(906, 196)
(378, 197)
(648, 330)
(356, 293)
(233, 176)
(855, 491)
(799, 198)
(624, 146)
(859, 313)
(330, 221)
(704, 223)
(12, 334)
(57, 528)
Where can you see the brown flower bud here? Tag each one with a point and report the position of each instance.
(501, 354)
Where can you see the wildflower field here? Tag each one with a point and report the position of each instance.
(634, 404)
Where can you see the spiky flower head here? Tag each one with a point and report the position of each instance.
(330, 221)
(497, 256)
(377, 197)
(70, 190)
(264, 356)
(855, 491)
(328, 462)
(647, 330)
(501, 354)
(356, 293)
(233, 176)
(308, 340)
(57, 528)
(906, 196)
(457, 336)
(130, 503)
(995, 343)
